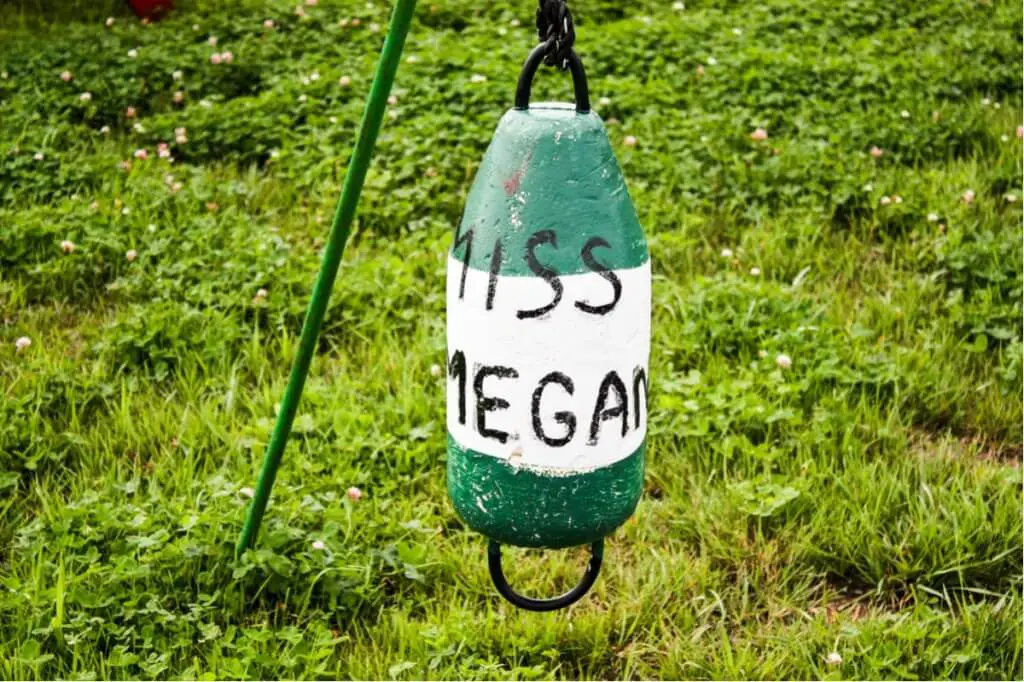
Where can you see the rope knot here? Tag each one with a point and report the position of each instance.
(554, 27)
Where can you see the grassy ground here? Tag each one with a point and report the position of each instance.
(855, 515)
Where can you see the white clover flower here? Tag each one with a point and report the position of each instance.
(629, 141)
(726, 253)
(247, 492)
(477, 78)
(783, 361)
(319, 545)
(85, 97)
(354, 493)
(834, 658)
(67, 246)
(131, 255)
(21, 343)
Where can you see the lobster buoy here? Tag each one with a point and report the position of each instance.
(549, 308)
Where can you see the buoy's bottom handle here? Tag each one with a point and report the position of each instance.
(555, 603)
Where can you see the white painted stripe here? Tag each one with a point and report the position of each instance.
(583, 346)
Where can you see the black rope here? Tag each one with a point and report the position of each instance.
(554, 27)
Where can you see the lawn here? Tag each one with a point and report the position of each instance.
(833, 484)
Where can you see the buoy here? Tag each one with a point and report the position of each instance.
(549, 307)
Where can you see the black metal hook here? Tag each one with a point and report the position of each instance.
(555, 603)
(579, 78)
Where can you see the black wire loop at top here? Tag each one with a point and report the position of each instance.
(554, 26)
(579, 79)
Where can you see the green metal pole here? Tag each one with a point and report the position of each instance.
(340, 228)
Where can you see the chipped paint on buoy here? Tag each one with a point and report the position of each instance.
(549, 304)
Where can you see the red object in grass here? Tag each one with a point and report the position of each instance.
(151, 9)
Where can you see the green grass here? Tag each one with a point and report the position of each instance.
(864, 502)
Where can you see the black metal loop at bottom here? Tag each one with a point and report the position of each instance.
(555, 603)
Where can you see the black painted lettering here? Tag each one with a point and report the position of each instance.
(485, 404)
(604, 271)
(562, 417)
(602, 413)
(492, 283)
(467, 238)
(549, 275)
(457, 370)
(639, 377)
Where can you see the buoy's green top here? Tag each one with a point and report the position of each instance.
(548, 336)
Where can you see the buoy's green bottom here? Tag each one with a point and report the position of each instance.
(516, 506)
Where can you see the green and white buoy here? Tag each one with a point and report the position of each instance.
(549, 308)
